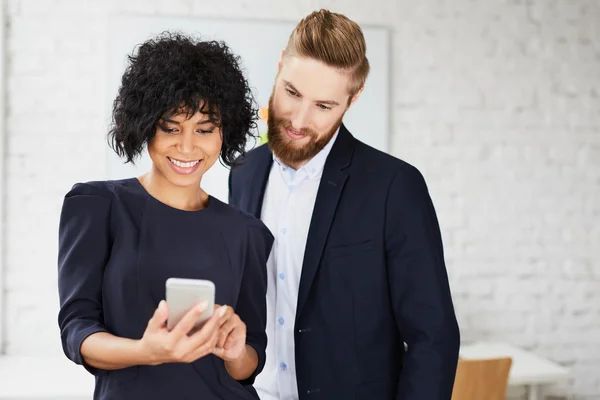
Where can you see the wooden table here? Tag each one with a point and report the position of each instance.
(527, 368)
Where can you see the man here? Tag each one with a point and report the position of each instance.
(357, 267)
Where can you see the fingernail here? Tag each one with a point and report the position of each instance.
(161, 304)
(202, 305)
(222, 311)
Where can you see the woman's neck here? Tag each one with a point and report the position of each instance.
(188, 198)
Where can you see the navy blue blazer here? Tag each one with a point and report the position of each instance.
(373, 277)
(117, 247)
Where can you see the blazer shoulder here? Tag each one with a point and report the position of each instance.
(252, 156)
(378, 161)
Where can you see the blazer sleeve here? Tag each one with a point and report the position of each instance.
(420, 290)
(83, 250)
(252, 300)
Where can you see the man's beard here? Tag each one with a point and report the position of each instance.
(289, 152)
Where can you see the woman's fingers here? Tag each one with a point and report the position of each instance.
(238, 334)
(159, 317)
(224, 332)
(186, 324)
(209, 328)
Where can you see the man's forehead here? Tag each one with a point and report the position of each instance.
(314, 79)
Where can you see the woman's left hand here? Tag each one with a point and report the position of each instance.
(231, 343)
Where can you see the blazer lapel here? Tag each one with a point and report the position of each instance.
(258, 181)
(328, 196)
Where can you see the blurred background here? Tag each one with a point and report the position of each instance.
(497, 103)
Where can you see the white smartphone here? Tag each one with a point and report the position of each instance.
(183, 294)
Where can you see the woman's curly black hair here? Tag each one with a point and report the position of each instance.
(173, 74)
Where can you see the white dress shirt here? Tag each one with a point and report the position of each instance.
(287, 210)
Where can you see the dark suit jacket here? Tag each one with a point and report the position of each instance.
(373, 277)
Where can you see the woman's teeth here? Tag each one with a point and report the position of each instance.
(188, 164)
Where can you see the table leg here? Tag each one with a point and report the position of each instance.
(534, 392)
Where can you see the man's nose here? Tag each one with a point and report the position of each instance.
(300, 119)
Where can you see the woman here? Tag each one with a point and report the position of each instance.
(188, 102)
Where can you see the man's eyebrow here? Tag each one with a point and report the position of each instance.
(288, 83)
(328, 102)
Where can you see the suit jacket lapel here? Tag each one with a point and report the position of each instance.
(258, 181)
(328, 196)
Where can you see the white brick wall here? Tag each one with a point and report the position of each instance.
(497, 102)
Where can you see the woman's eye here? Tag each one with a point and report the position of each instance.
(206, 132)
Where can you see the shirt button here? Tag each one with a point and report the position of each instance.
(281, 276)
(281, 321)
(283, 366)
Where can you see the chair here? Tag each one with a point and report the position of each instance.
(481, 379)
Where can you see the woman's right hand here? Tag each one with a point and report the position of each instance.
(161, 346)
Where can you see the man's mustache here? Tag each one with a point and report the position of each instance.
(304, 131)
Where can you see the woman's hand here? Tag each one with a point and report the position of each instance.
(162, 346)
(231, 343)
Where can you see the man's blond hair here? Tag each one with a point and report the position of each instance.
(334, 40)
